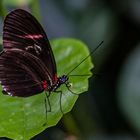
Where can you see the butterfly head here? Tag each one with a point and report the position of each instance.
(63, 79)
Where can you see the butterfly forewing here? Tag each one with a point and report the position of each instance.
(21, 30)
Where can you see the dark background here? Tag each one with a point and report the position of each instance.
(110, 110)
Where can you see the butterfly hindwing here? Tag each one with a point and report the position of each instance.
(21, 73)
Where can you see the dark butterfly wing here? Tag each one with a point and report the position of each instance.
(21, 73)
(21, 30)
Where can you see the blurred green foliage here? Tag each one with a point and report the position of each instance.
(110, 110)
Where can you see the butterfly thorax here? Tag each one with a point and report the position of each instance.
(51, 88)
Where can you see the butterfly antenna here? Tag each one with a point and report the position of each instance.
(85, 58)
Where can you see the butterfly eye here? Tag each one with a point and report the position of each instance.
(63, 79)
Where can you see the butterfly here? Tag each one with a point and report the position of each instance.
(27, 64)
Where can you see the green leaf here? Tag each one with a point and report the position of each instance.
(23, 118)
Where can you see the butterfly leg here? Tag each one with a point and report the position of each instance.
(61, 103)
(68, 85)
(60, 99)
(47, 101)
